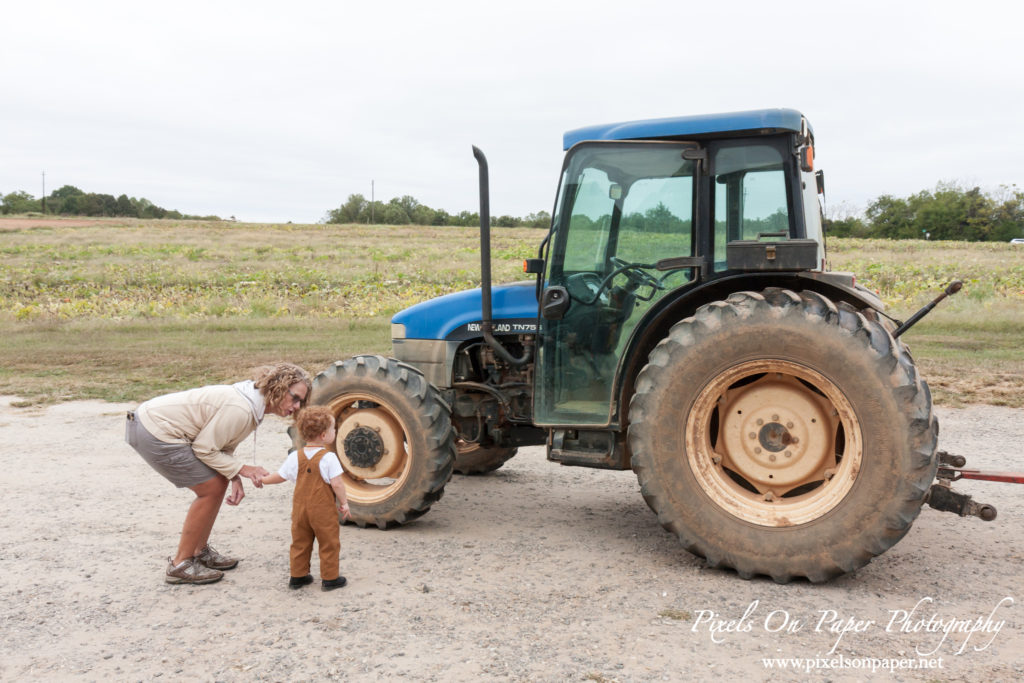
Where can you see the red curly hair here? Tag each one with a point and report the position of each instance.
(313, 421)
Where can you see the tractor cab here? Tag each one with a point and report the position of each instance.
(648, 212)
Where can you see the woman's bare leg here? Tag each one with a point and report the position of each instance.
(201, 516)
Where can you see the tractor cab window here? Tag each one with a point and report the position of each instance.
(750, 195)
(622, 207)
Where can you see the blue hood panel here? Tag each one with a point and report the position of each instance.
(438, 318)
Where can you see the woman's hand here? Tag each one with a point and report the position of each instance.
(237, 492)
(255, 473)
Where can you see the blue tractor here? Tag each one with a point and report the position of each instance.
(682, 323)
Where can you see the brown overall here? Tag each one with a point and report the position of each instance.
(314, 515)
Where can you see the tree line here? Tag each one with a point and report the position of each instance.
(71, 201)
(407, 210)
(950, 212)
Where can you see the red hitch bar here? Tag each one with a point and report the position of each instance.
(956, 474)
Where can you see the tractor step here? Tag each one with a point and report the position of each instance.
(584, 448)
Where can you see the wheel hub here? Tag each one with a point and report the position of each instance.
(370, 442)
(774, 437)
(777, 433)
(364, 447)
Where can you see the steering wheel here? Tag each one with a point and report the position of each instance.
(635, 272)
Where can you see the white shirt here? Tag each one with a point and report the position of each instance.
(330, 466)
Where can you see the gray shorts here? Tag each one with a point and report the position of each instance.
(174, 461)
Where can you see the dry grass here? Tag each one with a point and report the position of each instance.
(124, 310)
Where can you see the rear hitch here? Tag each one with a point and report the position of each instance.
(941, 495)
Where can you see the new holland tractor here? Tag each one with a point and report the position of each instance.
(682, 323)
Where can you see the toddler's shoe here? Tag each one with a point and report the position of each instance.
(191, 571)
(214, 560)
(331, 584)
(300, 581)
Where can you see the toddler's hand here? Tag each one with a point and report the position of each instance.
(344, 511)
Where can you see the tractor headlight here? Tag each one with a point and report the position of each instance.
(397, 331)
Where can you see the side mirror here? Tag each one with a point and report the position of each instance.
(554, 302)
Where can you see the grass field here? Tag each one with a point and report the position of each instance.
(123, 311)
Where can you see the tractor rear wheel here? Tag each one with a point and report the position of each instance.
(472, 458)
(779, 433)
(394, 438)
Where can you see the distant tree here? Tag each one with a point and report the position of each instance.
(66, 191)
(851, 226)
(466, 218)
(505, 222)
(891, 217)
(423, 215)
(125, 207)
(352, 211)
(393, 213)
(20, 202)
(541, 219)
(1007, 215)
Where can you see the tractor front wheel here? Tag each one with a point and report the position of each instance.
(394, 438)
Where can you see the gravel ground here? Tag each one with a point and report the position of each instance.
(537, 572)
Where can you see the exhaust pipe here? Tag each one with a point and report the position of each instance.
(487, 324)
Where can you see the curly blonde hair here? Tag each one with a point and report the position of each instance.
(274, 381)
(313, 421)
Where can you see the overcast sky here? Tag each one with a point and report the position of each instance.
(279, 111)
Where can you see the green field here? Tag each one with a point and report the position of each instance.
(122, 311)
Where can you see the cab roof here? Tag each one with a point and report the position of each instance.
(761, 120)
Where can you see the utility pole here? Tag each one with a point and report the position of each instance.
(371, 202)
(44, 193)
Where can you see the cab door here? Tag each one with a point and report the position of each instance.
(623, 207)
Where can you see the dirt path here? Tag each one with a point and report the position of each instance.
(537, 572)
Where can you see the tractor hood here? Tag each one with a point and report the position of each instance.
(454, 315)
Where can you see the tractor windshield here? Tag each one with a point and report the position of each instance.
(622, 207)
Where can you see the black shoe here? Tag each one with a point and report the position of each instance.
(300, 581)
(331, 584)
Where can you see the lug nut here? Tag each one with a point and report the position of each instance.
(758, 450)
(753, 435)
(771, 457)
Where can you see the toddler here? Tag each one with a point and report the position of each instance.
(316, 471)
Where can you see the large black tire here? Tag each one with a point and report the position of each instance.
(473, 458)
(780, 434)
(395, 438)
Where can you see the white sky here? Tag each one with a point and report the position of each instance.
(279, 111)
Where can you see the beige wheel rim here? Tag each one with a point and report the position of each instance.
(372, 447)
(774, 443)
